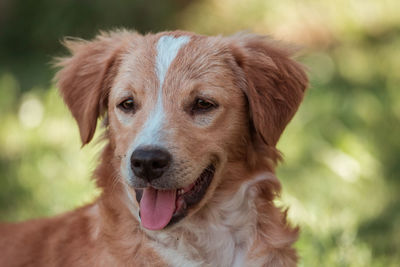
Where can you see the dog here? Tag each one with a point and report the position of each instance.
(191, 124)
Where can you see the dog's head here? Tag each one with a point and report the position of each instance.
(180, 108)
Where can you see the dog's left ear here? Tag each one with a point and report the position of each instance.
(86, 76)
(275, 84)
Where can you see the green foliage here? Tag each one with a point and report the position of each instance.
(42, 168)
(31, 30)
(341, 174)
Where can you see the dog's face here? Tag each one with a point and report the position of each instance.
(180, 107)
(172, 109)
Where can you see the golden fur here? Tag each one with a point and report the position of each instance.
(258, 87)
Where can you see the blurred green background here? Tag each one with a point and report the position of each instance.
(341, 175)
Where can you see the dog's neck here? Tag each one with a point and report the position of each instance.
(220, 234)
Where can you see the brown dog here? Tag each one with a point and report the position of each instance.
(187, 175)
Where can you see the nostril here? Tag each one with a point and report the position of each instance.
(136, 164)
(159, 164)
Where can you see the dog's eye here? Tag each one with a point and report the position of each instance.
(127, 105)
(201, 105)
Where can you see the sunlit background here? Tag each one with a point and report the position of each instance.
(341, 174)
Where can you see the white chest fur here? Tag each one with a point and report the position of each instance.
(221, 238)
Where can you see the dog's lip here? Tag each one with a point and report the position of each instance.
(188, 196)
(195, 192)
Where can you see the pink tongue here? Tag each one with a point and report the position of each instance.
(157, 208)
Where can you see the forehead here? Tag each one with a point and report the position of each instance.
(172, 59)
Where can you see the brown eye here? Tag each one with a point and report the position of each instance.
(201, 105)
(127, 105)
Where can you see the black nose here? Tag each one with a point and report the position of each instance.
(150, 163)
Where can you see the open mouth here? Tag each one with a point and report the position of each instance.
(161, 208)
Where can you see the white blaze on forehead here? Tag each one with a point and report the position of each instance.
(152, 131)
(167, 49)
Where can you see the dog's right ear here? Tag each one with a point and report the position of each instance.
(86, 76)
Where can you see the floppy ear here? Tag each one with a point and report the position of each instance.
(86, 76)
(275, 84)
